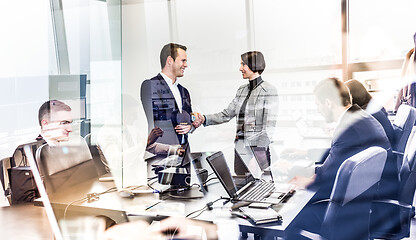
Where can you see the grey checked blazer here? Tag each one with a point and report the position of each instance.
(260, 114)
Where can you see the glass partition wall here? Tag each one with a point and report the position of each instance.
(113, 46)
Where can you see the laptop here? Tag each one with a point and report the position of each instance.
(308, 132)
(255, 190)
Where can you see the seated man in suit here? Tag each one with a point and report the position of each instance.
(356, 130)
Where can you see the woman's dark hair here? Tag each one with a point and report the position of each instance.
(254, 60)
(359, 93)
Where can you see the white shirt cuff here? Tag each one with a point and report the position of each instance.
(227, 229)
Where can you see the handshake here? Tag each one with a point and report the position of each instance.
(197, 119)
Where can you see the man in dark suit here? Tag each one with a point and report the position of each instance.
(356, 130)
(165, 101)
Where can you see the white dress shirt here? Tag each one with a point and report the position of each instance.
(175, 90)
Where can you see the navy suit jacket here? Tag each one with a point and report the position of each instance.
(357, 131)
(381, 116)
(159, 102)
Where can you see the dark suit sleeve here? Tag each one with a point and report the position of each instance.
(341, 149)
(146, 99)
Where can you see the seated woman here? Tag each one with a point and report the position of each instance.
(362, 98)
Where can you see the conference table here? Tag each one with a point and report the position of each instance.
(73, 202)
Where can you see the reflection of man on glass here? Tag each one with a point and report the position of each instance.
(55, 121)
(167, 104)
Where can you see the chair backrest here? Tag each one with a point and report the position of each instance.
(407, 171)
(65, 166)
(402, 125)
(355, 185)
(97, 155)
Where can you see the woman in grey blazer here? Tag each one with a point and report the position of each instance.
(254, 106)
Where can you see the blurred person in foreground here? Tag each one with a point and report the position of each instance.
(172, 228)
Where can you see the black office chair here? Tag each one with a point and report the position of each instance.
(407, 177)
(348, 212)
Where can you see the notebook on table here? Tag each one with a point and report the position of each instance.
(260, 216)
(255, 190)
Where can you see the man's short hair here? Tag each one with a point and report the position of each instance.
(50, 107)
(170, 49)
(333, 89)
(254, 60)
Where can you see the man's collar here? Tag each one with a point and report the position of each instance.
(168, 80)
(49, 141)
(342, 115)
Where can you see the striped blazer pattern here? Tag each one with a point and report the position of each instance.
(260, 115)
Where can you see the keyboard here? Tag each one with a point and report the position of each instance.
(258, 192)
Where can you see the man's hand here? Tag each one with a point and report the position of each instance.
(131, 230)
(180, 151)
(172, 227)
(183, 128)
(293, 153)
(184, 228)
(302, 182)
(154, 135)
(199, 119)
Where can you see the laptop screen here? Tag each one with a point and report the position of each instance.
(219, 166)
(248, 160)
(261, 156)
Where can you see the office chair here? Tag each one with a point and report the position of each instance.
(402, 127)
(348, 213)
(97, 155)
(65, 166)
(407, 177)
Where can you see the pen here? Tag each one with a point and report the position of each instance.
(149, 207)
(238, 214)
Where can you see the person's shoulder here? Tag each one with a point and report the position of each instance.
(157, 77)
(242, 87)
(268, 87)
(148, 82)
